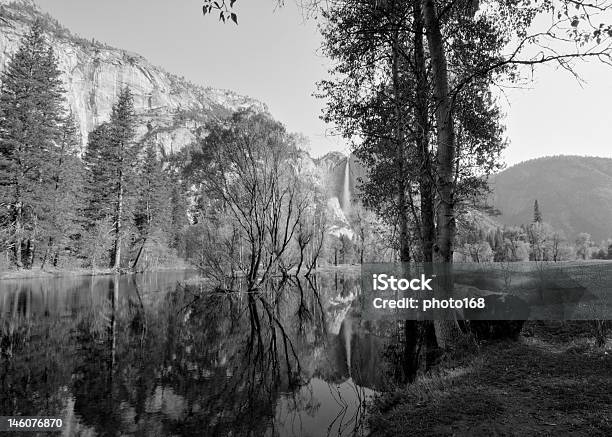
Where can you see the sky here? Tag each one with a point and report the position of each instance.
(274, 55)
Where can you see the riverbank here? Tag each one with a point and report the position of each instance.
(50, 272)
(37, 273)
(554, 381)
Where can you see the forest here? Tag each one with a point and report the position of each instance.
(124, 204)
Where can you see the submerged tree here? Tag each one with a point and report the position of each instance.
(247, 171)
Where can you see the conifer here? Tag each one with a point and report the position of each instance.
(65, 206)
(537, 215)
(31, 114)
(112, 161)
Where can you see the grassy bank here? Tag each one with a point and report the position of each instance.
(554, 381)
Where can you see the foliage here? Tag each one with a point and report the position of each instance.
(479, 241)
(246, 179)
(152, 204)
(377, 100)
(65, 209)
(97, 243)
(34, 140)
(57, 206)
(112, 159)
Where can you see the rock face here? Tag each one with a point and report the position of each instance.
(337, 221)
(170, 109)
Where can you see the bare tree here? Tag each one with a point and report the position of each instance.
(250, 166)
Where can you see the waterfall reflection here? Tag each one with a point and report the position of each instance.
(141, 354)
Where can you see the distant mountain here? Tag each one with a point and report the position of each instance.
(574, 193)
(170, 109)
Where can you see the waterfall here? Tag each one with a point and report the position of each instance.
(346, 193)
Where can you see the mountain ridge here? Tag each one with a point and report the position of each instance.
(574, 193)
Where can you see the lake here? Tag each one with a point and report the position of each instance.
(149, 354)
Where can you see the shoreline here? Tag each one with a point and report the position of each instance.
(36, 273)
(61, 273)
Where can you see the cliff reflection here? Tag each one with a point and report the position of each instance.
(145, 354)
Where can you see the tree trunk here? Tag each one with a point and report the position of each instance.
(401, 157)
(112, 328)
(31, 251)
(117, 251)
(446, 133)
(427, 198)
(46, 255)
(447, 332)
(144, 241)
(18, 241)
(428, 231)
(410, 359)
(404, 230)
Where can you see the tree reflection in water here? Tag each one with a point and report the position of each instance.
(149, 355)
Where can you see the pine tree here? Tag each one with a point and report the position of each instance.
(537, 215)
(153, 211)
(179, 205)
(498, 245)
(152, 208)
(31, 110)
(178, 215)
(112, 158)
(98, 168)
(123, 158)
(65, 194)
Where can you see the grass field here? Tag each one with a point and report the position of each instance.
(554, 381)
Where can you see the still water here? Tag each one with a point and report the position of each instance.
(153, 354)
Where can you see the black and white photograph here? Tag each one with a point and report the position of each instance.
(287, 218)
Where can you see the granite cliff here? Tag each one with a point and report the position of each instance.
(170, 109)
